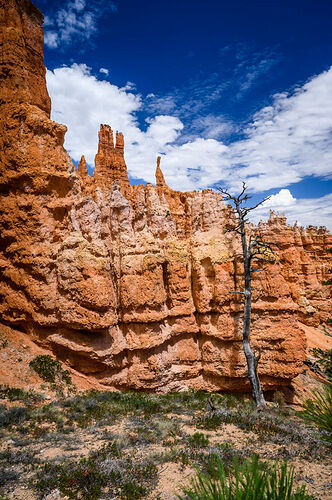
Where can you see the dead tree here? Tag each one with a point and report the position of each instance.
(253, 249)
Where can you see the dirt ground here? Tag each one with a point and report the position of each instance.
(171, 440)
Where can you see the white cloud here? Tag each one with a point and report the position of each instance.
(282, 199)
(48, 21)
(104, 71)
(305, 211)
(51, 39)
(290, 139)
(75, 21)
(286, 141)
(82, 102)
(164, 104)
(195, 164)
(129, 86)
(212, 126)
(78, 5)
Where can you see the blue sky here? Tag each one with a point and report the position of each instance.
(223, 91)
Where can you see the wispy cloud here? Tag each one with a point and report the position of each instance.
(76, 21)
(239, 69)
(191, 99)
(211, 126)
(251, 65)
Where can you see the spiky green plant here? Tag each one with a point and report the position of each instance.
(318, 411)
(324, 359)
(251, 479)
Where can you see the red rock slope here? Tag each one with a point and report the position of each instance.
(131, 284)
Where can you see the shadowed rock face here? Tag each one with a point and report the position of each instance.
(131, 284)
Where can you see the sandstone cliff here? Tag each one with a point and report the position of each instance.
(130, 284)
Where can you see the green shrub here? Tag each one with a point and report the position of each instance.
(8, 476)
(198, 440)
(13, 415)
(76, 480)
(324, 359)
(269, 424)
(13, 457)
(318, 411)
(251, 480)
(50, 370)
(86, 478)
(3, 341)
(18, 394)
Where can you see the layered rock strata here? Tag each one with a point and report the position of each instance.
(131, 284)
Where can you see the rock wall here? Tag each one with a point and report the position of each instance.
(131, 284)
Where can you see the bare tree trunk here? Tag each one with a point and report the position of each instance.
(256, 387)
(254, 250)
(252, 361)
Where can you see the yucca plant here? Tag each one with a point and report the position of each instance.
(318, 411)
(246, 481)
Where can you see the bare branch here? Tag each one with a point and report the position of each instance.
(263, 242)
(225, 193)
(246, 197)
(230, 230)
(264, 250)
(262, 259)
(252, 243)
(211, 406)
(238, 255)
(247, 210)
(243, 190)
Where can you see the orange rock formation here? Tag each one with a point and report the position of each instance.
(131, 284)
(110, 164)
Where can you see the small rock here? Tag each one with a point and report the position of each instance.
(54, 495)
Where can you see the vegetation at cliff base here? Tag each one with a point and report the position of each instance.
(50, 370)
(328, 282)
(318, 411)
(324, 360)
(125, 445)
(250, 479)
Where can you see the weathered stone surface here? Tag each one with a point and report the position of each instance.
(131, 284)
(110, 164)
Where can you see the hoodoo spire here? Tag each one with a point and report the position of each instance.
(159, 175)
(110, 164)
(82, 168)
